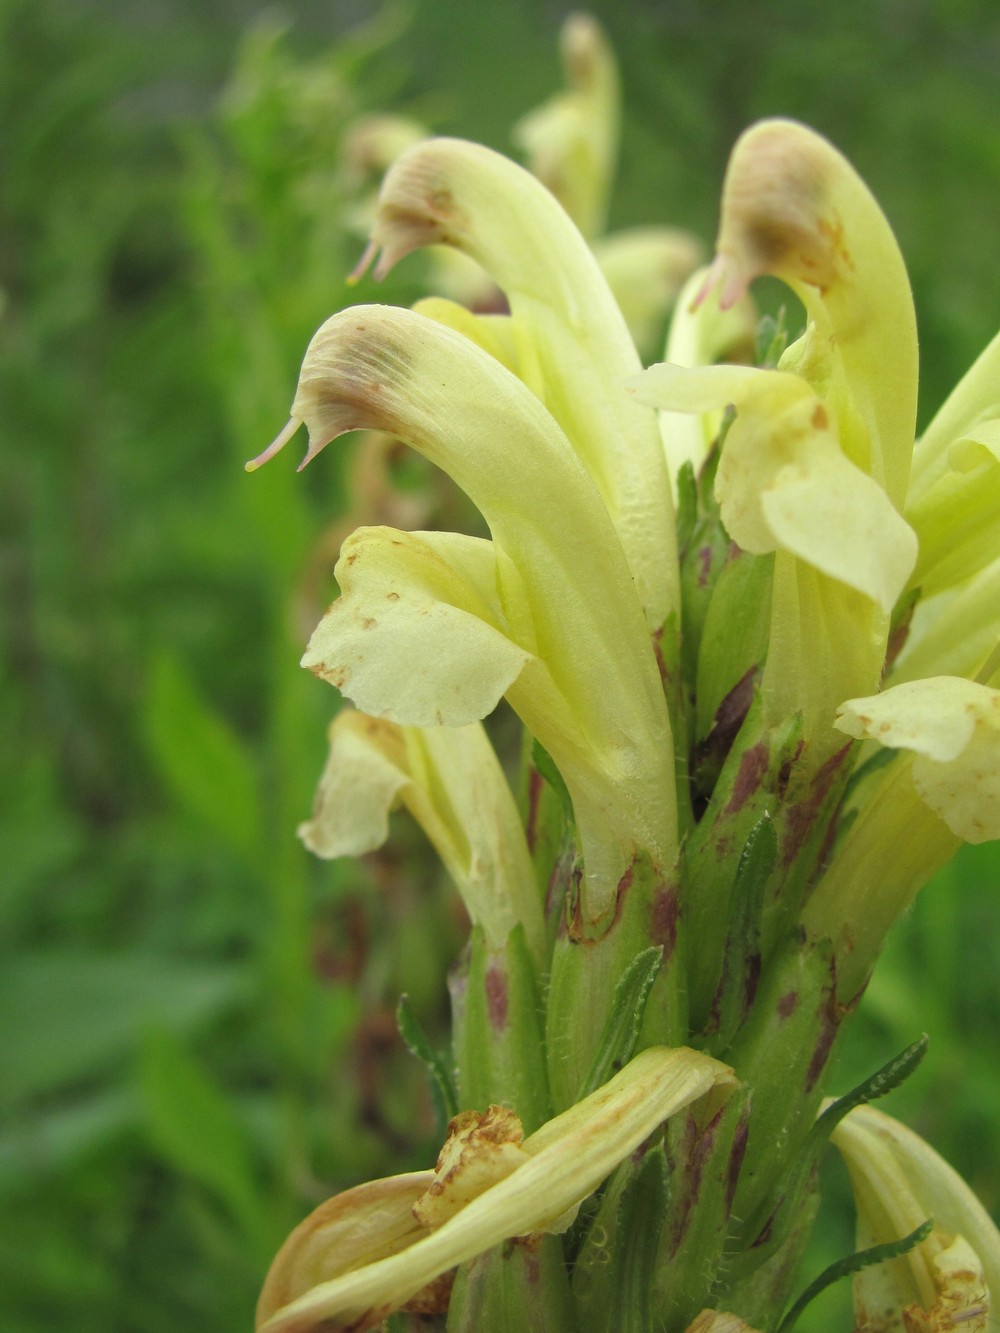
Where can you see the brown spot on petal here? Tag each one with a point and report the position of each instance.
(820, 421)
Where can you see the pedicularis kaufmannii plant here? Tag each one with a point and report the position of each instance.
(749, 626)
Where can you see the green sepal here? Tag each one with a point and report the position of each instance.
(782, 1052)
(520, 1286)
(733, 643)
(416, 1041)
(545, 765)
(750, 786)
(687, 504)
(642, 1213)
(498, 1038)
(668, 649)
(547, 816)
(899, 628)
(588, 960)
(770, 339)
(789, 1191)
(702, 557)
(624, 1020)
(742, 962)
(705, 1163)
(603, 1229)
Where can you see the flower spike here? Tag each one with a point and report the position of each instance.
(572, 140)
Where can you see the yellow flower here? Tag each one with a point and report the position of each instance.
(450, 780)
(952, 728)
(433, 628)
(375, 1249)
(952, 1278)
(815, 466)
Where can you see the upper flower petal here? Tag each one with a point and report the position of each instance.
(795, 208)
(574, 346)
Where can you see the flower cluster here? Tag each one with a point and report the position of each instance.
(749, 626)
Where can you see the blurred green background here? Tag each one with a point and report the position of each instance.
(197, 1035)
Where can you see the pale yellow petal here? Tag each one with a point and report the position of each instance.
(451, 781)
(952, 726)
(355, 1228)
(568, 1159)
(783, 482)
(361, 782)
(413, 638)
(793, 207)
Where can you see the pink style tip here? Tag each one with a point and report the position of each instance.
(275, 447)
(363, 265)
(724, 274)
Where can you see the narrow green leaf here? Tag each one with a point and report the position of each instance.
(741, 967)
(68, 1015)
(621, 1029)
(687, 505)
(419, 1044)
(194, 1127)
(854, 1263)
(770, 339)
(201, 759)
(884, 1080)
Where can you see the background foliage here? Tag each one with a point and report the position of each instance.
(197, 1032)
